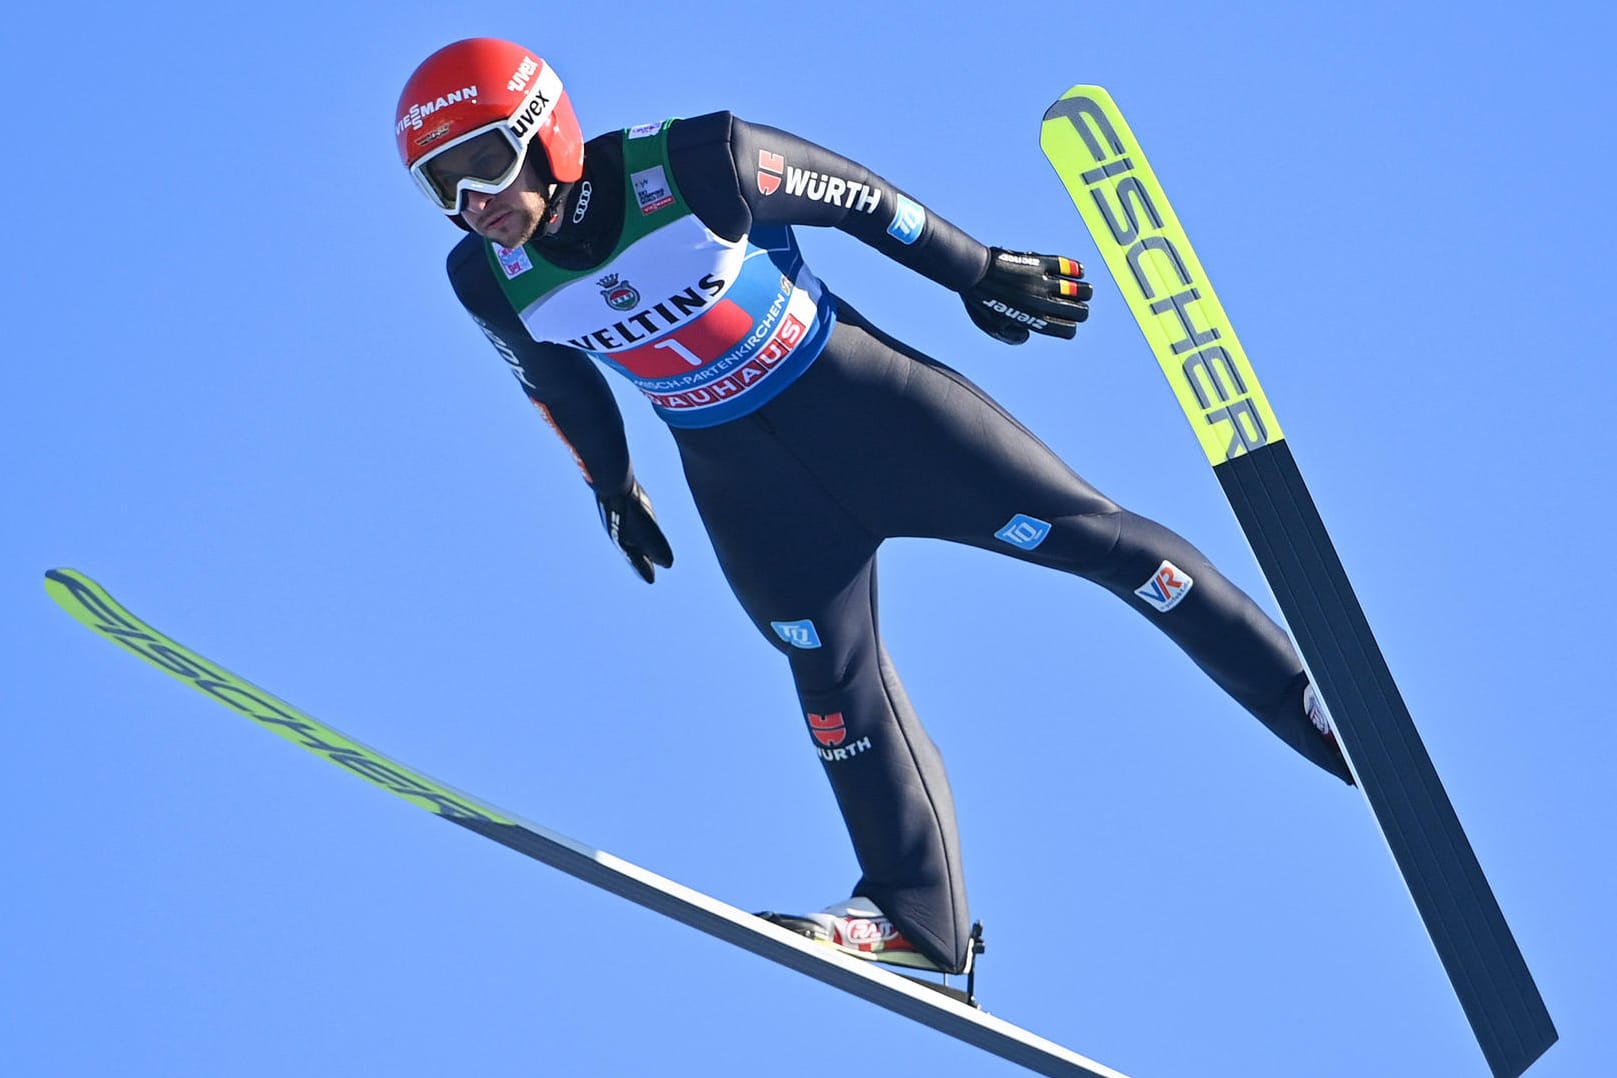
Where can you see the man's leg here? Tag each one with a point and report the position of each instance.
(955, 465)
(805, 573)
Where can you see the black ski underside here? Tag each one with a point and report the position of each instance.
(1473, 941)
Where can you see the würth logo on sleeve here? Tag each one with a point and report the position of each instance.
(770, 168)
(773, 171)
(831, 736)
(1167, 586)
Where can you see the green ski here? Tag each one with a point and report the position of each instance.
(90, 604)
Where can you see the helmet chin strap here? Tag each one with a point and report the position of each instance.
(555, 198)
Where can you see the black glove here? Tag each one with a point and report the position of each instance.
(1028, 292)
(628, 519)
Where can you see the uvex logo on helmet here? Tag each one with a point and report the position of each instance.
(524, 72)
(532, 113)
(487, 84)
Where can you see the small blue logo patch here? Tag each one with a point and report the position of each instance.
(799, 634)
(908, 221)
(1024, 531)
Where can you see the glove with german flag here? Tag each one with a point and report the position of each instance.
(1026, 293)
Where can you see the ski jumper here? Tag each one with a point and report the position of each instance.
(808, 437)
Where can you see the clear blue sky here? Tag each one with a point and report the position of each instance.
(241, 394)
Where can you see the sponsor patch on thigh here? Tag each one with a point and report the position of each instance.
(1167, 586)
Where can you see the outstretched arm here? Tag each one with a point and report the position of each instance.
(736, 174)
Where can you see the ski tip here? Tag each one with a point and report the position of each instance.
(1059, 108)
(61, 577)
(77, 594)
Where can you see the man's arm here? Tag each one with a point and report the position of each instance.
(572, 395)
(735, 174)
(565, 385)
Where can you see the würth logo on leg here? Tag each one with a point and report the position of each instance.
(828, 730)
(830, 733)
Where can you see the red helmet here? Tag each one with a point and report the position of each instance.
(471, 110)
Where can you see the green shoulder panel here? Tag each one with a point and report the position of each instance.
(651, 200)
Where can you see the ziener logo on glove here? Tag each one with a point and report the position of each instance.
(1000, 307)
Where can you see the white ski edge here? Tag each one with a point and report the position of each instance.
(824, 963)
(91, 605)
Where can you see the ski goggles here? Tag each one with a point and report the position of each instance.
(485, 160)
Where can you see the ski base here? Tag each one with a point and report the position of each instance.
(967, 995)
(1117, 193)
(1393, 769)
(932, 1005)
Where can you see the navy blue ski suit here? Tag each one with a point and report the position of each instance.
(799, 484)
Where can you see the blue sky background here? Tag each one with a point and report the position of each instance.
(243, 397)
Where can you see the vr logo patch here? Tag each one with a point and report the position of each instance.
(1023, 531)
(799, 634)
(1166, 587)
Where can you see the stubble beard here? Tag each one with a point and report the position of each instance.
(527, 217)
(530, 224)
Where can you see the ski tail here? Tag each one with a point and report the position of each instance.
(1116, 192)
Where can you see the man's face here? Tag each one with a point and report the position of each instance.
(511, 217)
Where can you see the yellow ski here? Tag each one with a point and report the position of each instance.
(1144, 245)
